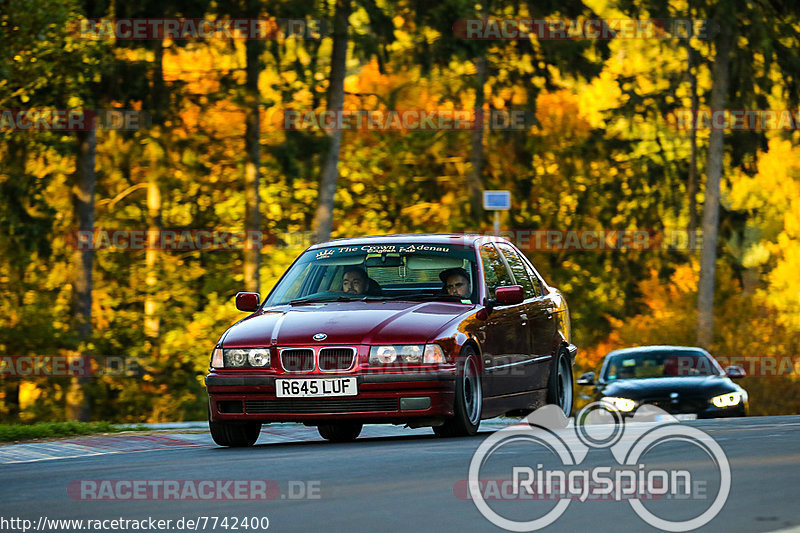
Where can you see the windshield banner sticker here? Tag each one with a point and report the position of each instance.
(383, 249)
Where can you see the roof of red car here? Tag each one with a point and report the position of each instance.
(416, 238)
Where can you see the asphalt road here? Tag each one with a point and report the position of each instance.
(400, 480)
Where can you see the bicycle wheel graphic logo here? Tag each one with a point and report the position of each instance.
(547, 429)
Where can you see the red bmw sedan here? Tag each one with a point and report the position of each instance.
(421, 330)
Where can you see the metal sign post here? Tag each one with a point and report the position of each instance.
(497, 201)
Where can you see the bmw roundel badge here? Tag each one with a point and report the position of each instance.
(319, 337)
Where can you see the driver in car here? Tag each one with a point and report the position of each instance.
(356, 281)
(456, 282)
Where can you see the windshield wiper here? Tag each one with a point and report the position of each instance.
(420, 296)
(364, 298)
(322, 299)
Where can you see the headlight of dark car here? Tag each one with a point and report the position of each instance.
(240, 357)
(727, 400)
(624, 405)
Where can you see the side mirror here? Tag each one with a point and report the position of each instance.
(735, 372)
(247, 301)
(510, 295)
(586, 379)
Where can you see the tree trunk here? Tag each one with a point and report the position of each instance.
(152, 322)
(692, 186)
(323, 220)
(17, 156)
(252, 140)
(719, 93)
(11, 400)
(83, 205)
(475, 177)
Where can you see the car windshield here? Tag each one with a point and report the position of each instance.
(660, 364)
(380, 272)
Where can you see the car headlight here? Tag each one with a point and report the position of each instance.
(624, 405)
(235, 357)
(258, 357)
(406, 353)
(240, 357)
(382, 355)
(727, 400)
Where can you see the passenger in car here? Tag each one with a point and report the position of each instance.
(456, 282)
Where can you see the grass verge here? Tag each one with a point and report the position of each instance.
(19, 432)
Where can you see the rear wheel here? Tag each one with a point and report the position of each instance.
(559, 386)
(234, 434)
(340, 432)
(468, 402)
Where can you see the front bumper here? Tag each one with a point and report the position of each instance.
(382, 398)
(703, 408)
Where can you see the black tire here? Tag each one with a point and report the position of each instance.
(560, 388)
(468, 403)
(235, 434)
(340, 432)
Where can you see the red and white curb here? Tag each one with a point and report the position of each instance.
(28, 452)
(87, 446)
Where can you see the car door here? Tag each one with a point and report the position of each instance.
(535, 368)
(546, 324)
(507, 341)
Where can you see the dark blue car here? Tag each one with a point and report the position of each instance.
(680, 380)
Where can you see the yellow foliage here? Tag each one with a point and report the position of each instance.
(669, 317)
(559, 115)
(773, 194)
(601, 94)
(370, 89)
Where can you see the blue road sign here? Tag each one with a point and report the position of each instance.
(497, 200)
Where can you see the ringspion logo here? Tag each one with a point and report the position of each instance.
(631, 480)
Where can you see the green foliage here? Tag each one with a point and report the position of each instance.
(42, 430)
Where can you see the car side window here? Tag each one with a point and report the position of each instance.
(537, 281)
(518, 269)
(494, 270)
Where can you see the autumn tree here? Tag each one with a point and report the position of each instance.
(323, 220)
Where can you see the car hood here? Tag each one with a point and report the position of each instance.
(370, 322)
(686, 387)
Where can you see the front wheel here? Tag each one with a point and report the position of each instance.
(234, 434)
(468, 399)
(559, 386)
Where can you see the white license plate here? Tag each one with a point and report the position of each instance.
(681, 416)
(315, 387)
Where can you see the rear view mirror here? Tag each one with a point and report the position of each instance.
(416, 262)
(247, 301)
(586, 379)
(735, 372)
(510, 295)
(384, 260)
